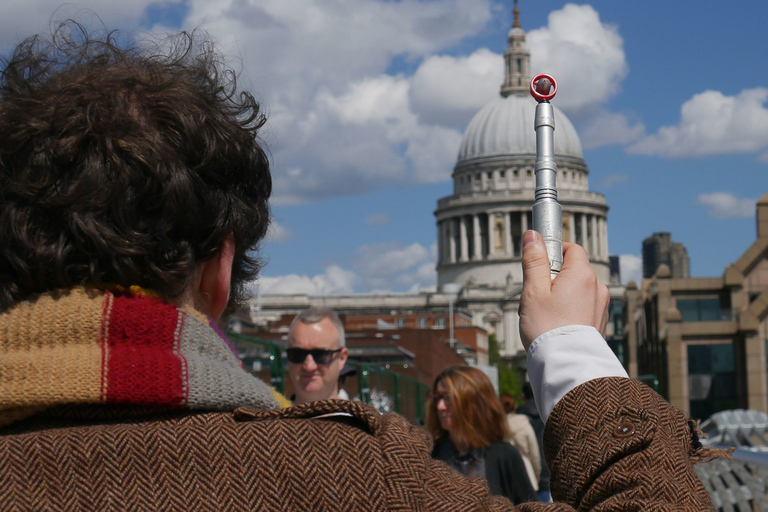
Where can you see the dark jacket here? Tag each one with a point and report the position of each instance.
(506, 473)
(529, 409)
(501, 465)
(612, 444)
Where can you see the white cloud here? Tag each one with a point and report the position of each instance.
(605, 128)
(712, 123)
(334, 280)
(631, 268)
(362, 139)
(388, 259)
(378, 219)
(613, 180)
(336, 120)
(19, 20)
(278, 233)
(763, 157)
(380, 268)
(585, 56)
(722, 205)
(450, 90)
(393, 267)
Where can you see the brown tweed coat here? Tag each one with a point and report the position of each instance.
(612, 444)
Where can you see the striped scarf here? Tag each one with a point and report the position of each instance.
(88, 346)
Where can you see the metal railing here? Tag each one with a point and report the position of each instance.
(386, 390)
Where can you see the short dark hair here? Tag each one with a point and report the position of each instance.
(125, 164)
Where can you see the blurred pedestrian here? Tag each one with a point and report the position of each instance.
(346, 371)
(528, 409)
(467, 421)
(522, 436)
(316, 354)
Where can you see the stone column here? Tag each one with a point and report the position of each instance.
(584, 238)
(478, 241)
(598, 238)
(463, 235)
(440, 248)
(490, 235)
(604, 237)
(593, 242)
(523, 221)
(507, 233)
(757, 394)
(452, 240)
(572, 227)
(677, 361)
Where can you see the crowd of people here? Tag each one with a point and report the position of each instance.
(134, 193)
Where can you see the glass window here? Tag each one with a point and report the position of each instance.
(400, 322)
(440, 323)
(711, 379)
(701, 310)
(423, 323)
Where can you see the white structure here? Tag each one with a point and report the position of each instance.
(480, 227)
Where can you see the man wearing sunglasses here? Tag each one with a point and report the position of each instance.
(316, 354)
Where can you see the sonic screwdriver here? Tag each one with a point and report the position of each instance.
(547, 213)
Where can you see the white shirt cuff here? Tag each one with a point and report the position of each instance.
(561, 359)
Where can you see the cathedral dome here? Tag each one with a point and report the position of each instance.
(505, 127)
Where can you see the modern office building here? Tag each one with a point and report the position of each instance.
(705, 338)
(659, 249)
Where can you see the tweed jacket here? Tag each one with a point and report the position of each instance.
(612, 443)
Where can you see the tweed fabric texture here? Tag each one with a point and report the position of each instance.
(118, 347)
(339, 455)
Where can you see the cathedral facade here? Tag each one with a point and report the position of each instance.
(480, 226)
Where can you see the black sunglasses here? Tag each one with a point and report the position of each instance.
(319, 355)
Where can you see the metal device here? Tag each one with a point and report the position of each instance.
(547, 213)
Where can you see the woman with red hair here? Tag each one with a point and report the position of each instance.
(468, 423)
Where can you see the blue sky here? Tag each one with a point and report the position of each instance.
(368, 100)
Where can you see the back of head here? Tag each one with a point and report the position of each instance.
(125, 165)
(508, 402)
(527, 391)
(478, 416)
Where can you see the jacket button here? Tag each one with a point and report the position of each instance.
(626, 429)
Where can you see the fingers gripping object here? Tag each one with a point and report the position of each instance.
(547, 214)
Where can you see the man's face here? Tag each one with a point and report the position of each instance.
(312, 380)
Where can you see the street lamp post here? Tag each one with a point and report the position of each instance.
(451, 289)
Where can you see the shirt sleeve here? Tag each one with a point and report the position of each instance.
(561, 359)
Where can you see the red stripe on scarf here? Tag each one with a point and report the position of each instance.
(143, 368)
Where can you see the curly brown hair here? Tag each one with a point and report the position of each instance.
(125, 164)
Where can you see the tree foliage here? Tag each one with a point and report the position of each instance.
(510, 378)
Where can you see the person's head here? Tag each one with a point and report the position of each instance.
(527, 391)
(128, 165)
(464, 407)
(316, 354)
(508, 403)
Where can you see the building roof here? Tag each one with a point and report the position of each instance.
(505, 127)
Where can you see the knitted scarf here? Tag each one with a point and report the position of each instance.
(88, 346)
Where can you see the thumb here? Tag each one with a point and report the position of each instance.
(536, 272)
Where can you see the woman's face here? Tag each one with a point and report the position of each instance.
(443, 403)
